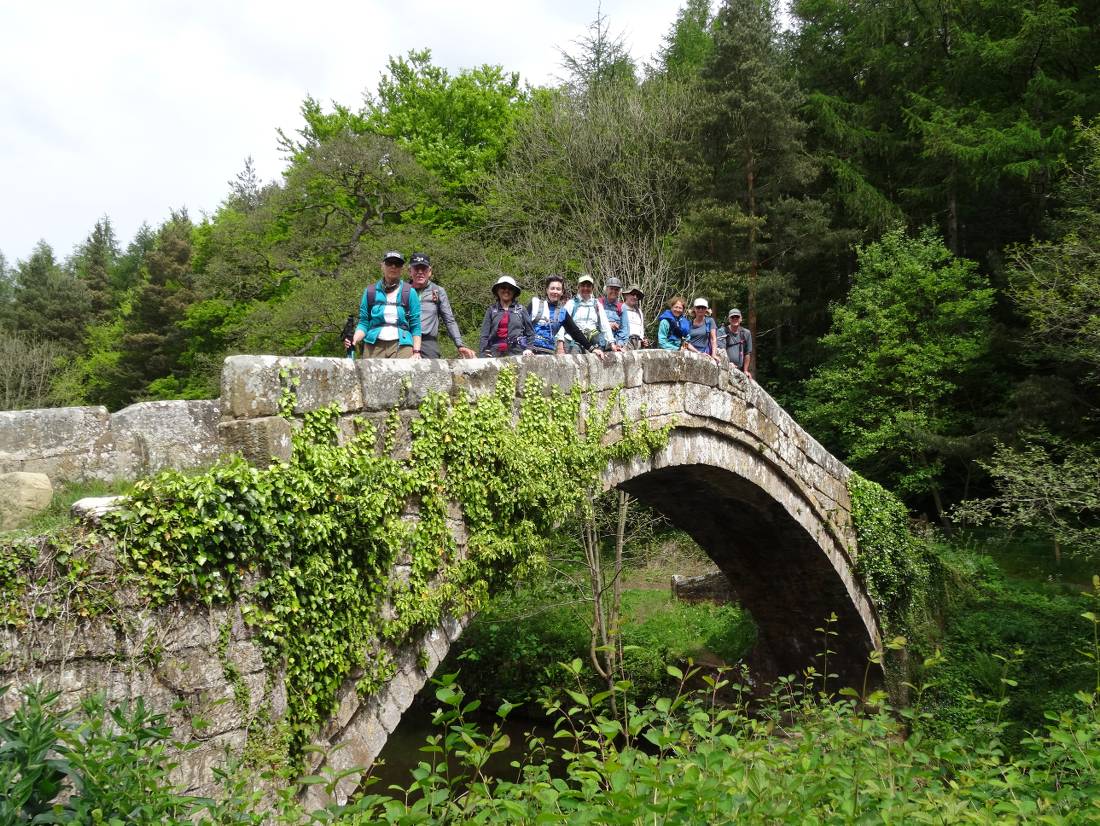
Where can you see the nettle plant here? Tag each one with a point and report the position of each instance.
(306, 547)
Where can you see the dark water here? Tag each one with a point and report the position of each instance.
(402, 752)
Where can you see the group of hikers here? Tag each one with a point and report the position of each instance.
(401, 319)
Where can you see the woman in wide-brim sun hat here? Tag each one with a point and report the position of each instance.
(506, 329)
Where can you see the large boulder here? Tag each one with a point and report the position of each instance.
(22, 495)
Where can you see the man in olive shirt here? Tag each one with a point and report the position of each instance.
(433, 304)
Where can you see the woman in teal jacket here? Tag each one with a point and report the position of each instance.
(672, 327)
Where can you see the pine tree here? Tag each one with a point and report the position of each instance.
(92, 264)
(750, 166)
(48, 304)
(151, 341)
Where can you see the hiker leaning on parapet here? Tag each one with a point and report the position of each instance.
(702, 337)
(632, 297)
(588, 314)
(672, 327)
(737, 342)
(434, 304)
(389, 315)
(506, 329)
(551, 321)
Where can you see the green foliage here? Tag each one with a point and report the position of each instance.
(1047, 488)
(513, 647)
(306, 547)
(912, 331)
(107, 767)
(698, 755)
(901, 572)
(457, 127)
(991, 615)
(794, 757)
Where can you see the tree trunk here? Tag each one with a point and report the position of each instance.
(753, 264)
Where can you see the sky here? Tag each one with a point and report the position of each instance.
(133, 108)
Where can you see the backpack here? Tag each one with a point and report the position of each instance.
(545, 331)
(403, 300)
(742, 339)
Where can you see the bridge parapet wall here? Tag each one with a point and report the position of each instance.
(654, 386)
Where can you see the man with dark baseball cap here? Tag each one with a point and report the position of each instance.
(434, 304)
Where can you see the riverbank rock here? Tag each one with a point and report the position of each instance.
(706, 588)
(22, 495)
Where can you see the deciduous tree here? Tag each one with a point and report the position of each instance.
(914, 326)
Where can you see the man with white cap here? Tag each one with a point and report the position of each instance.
(737, 342)
(589, 315)
(389, 314)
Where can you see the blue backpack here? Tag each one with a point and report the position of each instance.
(546, 329)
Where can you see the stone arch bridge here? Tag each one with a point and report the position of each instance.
(766, 502)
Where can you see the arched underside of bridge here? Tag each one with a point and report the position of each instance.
(786, 563)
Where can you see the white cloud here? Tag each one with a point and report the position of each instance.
(131, 108)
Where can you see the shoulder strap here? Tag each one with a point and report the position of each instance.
(406, 291)
(372, 295)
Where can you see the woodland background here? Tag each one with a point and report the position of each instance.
(903, 196)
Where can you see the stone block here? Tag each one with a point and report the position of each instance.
(190, 670)
(713, 587)
(22, 496)
(324, 381)
(562, 372)
(68, 444)
(478, 377)
(604, 373)
(91, 509)
(260, 441)
(151, 436)
(708, 402)
(402, 383)
(250, 386)
(661, 366)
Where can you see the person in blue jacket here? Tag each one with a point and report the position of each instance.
(389, 314)
(672, 327)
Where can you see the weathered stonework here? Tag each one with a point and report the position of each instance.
(761, 496)
(83, 444)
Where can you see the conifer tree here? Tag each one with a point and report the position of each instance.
(750, 166)
(92, 264)
(48, 304)
(151, 341)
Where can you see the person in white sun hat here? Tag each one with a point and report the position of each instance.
(506, 329)
(702, 336)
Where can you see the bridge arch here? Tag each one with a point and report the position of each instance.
(788, 563)
(760, 495)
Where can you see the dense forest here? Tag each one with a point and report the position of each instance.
(904, 197)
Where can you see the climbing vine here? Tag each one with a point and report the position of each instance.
(306, 547)
(897, 568)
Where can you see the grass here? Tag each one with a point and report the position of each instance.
(58, 515)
